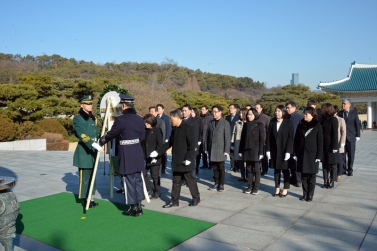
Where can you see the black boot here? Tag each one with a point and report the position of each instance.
(132, 211)
(139, 208)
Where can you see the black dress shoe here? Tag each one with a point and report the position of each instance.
(155, 196)
(324, 185)
(171, 204)
(263, 173)
(93, 204)
(330, 185)
(309, 199)
(194, 203)
(303, 197)
(276, 194)
(350, 174)
(132, 211)
(120, 191)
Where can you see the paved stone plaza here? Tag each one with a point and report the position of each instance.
(342, 218)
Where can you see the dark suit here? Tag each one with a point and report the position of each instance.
(183, 143)
(195, 124)
(168, 128)
(153, 140)
(353, 132)
(279, 143)
(232, 121)
(295, 175)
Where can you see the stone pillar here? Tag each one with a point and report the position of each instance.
(369, 114)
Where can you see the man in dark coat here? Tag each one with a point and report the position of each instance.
(86, 130)
(183, 143)
(218, 146)
(186, 112)
(232, 118)
(166, 119)
(265, 120)
(205, 118)
(353, 133)
(129, 127)
(296, 118)
(160, 122)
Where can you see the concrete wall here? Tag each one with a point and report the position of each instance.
(24, 145)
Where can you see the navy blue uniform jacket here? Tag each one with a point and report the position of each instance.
(128, 126)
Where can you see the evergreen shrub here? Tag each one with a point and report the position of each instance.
(53, 126)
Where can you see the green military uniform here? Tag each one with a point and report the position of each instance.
(85, 155)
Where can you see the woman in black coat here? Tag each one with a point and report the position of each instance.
(279, 145)
(308, 151)
(251, 149)
(153, 140)
(330, 145)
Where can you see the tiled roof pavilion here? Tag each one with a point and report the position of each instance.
(360, 86)
(362, 78)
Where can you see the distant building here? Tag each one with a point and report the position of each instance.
(294, 80)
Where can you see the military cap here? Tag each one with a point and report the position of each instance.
(87, 99)
(126, 99)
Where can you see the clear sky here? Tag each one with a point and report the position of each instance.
(265, 40)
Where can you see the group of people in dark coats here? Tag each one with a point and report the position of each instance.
(247, 138)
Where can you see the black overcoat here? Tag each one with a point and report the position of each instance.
(183, 143)
(330, 139)
(128, 126)
(279, 143)
(308, 146)
(252, 140)
(152, 142)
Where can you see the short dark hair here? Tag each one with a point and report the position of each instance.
(160, 105)
(292, 103)
(312, 102)
(283, 110)
(328, 109)
(204, 107)
(311, 111)
(336, 108)
(261, 106)
(255, 113)
(235, 106)
(187, 106)
(176, 113)
(219, 107)
(150, 119)
(153, 107)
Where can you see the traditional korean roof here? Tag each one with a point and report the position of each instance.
(361, 78)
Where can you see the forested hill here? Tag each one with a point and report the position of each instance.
(168, 73)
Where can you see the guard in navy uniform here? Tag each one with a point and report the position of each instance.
(129, 127)
(84, 158)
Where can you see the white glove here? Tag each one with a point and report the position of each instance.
(186, 162)
(199, 143)
(334, 151)
(287, 156)
(166, 140)
(342, 145)
(153, 154)
(206, 152)
(295, 158)
(240, 154)
(153, 161)
(225, 154)
(268, 154)
(260, 157)
(97, 146)
(357, 138)
(232, 148)
(317, 160)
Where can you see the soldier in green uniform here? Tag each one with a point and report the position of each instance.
(84, 158)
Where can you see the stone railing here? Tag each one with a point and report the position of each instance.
(24, 145)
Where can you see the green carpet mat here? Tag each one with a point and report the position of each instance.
(59, 221)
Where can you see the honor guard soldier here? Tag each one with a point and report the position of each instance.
(129, 127)
(84, 158)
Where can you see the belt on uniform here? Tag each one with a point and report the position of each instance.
(128, 142)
